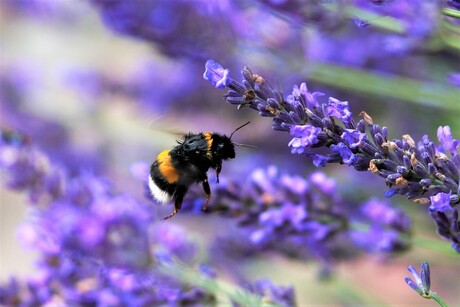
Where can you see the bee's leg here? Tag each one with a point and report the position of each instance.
(178, 199)
(218, 169)
(207, 190)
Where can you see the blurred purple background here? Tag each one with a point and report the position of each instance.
(101, 85)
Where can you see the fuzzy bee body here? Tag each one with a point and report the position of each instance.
(175, 170)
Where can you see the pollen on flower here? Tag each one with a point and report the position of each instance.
(258, 79)
(409, 140)
(413, 160)
(440, 176)
(373, 168)
(402, 181)
(367, 119)
(422, 201)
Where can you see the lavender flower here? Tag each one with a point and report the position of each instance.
(417, 171)
(170, 25)
(302, 218)
(28, 168)
(385, 228)
(454, 78)
(136, 84)
(446, 219)
(96, 247)
(421, 283)
(17, 85)
(216, 74)
(455, 4)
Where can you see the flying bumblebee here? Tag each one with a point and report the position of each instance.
(175, 170)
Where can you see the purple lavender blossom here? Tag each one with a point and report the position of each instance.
(96, 247)
(42, 9)
(304, 136)
(417, 171)
(455, 4)
(344, 152)
(339, 109)
(17, 83)
(386, 226)
(216, 74)
(448, 143)
(353, 138)
(447, 220)
(171, 25)
(441, 202)
(28, 168)
(454, 78)
(136, 84)
(421, 283)
(302, 218)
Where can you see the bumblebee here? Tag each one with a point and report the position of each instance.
(175, 170)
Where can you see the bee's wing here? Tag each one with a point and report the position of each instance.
(165, 125)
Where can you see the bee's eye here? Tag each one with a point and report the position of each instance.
(221, 145)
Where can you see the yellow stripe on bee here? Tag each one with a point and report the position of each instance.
(208, 137)
(166, 168)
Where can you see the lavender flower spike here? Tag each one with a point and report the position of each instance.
(421, 283)
(425, 172)
(216, 74)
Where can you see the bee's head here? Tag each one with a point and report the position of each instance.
(225, 149)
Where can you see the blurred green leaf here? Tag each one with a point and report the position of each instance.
(383, 22)
(436, 245)
(380, 21)
(451, 12)
(418, 92)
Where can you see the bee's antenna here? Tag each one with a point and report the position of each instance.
(244, 145)
(238, 129)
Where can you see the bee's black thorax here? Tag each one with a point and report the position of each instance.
(204, 150)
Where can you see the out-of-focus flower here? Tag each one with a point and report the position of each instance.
(177, 28)
(385, 228)
(96, 247)
(454, 78)
(301, 218)
(43, 9)
(271, 293)
(151, 84)
(454, 4)
(17, 85)
(28, 169)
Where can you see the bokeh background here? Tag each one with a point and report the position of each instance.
(100, 85)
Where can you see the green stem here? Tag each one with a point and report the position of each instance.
(451, 12)
(435, 245)
(217, 287)
(449, 33)
(438, 299)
